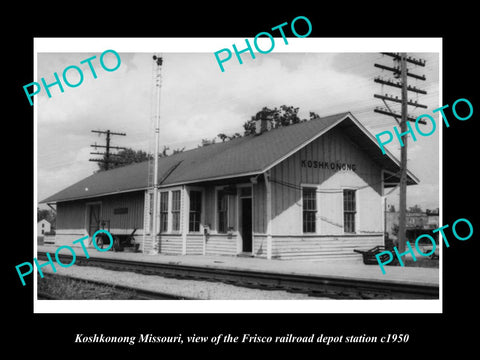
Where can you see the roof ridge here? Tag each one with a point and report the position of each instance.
(237, 157)
(229, 142)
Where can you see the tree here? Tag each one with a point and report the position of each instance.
(313, 115)
(278, 117)
(46, 214)
(224, 137)
(178, 150)
(285, 116)
(415, 209)
(124, 157)
(130, 156)
(164, 152)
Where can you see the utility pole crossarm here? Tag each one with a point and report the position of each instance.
(409, 59)
(397, 71)
(108, 132)
(397, 115)
(399, 85)
(110, 147)
(107, 155)
(391, 98)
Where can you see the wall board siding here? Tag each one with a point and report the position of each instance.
(133, 202)
(171, 244)
(259, 210)
(69, 238)
(317, 247)
(194, 244)
(333, 148)
(221, 245)
(72, 214)
(260, 245)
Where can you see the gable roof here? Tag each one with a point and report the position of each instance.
(244, 156)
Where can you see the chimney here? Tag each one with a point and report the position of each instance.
(263, 125)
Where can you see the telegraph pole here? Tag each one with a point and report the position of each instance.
(107, 154)
(402, 226)
(401, 72)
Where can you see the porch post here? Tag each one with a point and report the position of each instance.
(268, 213)
(185, 211)
(203, 228)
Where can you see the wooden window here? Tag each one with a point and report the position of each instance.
(349, 211)
(309, 196)
(164, 211)
(222, 209)
(176, 196)
(195, 211)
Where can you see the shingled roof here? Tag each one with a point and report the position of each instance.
(244, 156)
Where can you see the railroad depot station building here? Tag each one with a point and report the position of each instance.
(309, 190)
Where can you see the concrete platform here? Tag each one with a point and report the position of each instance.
(348, 268)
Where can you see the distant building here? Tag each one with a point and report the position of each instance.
(432, 218)
(43, 226)
(417, 224)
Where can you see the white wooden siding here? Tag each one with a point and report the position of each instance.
(221, 245)
(194, 244)
(333, 147)
(322, 247)
(171, 244)
(260, 245)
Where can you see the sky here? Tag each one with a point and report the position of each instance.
(198, 101)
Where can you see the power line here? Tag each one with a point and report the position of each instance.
(330, 191)
(400, 71)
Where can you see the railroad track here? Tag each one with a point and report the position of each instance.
(318, 286)
(111, 290)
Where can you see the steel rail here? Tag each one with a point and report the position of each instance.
(319, 286)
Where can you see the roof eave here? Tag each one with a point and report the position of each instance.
(54, 201)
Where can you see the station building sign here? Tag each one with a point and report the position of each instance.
(328, 165)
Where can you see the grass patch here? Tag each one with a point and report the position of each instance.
(65, 288)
